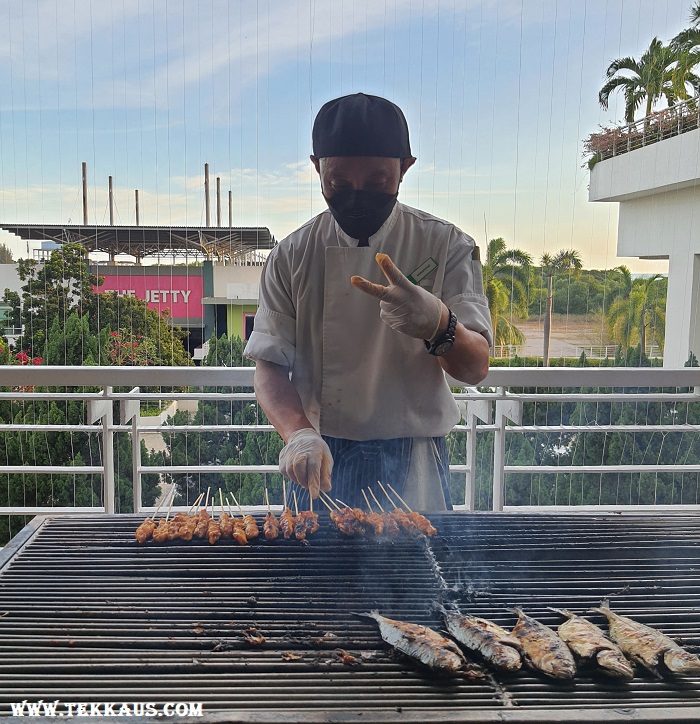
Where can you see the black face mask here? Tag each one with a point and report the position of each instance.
(360, 214)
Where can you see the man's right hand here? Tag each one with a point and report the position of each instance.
(307, 460)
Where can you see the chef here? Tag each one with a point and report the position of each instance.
(362, 311)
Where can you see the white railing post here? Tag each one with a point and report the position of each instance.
(476, 409)
(507, 409)
(130, 410)
(102, 409)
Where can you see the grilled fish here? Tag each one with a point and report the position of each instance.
(648, 647)
(421, 643)
(542, 649)
(498, 647)
(587, 641)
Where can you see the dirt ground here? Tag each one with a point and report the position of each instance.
(570, 334)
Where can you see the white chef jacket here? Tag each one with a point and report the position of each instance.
(357, 377)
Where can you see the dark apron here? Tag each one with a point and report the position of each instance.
(359, 464)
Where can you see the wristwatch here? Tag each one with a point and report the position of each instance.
(444, 343)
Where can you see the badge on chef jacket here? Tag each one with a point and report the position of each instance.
(421, 274)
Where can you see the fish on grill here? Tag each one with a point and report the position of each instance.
(542, 649)
(497, 646)
(589, 643)
(421, 643)
(647, 646)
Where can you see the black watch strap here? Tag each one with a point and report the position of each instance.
(444, 343)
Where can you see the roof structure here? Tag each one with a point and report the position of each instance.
(153, 241)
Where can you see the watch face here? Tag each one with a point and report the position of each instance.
(443, 348)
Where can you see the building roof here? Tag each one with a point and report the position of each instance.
(143, 241)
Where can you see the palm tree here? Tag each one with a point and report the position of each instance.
(565, 260)
(687, 46)
(506, 274)
(657, 74)
(632, 315)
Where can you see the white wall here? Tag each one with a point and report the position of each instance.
(670, 164)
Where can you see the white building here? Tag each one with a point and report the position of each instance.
(657, 185)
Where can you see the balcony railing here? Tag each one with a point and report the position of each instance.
(522, 441)
(673, 121)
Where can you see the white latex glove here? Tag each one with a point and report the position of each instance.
(404, 306)
(307, 460)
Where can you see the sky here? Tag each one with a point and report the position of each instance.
(499, 97)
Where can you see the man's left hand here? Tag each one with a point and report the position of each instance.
(404, 306)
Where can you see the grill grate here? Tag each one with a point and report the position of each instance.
(92, 616)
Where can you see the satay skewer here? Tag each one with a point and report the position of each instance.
(405, 504)
(271, 528)
(374, 497)
(287, 520)
(251, 527)
(326, 504)
(195, 504)
(423, 524)
(296, 507)
(330, 500)
(388, 497)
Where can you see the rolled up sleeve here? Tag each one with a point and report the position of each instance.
(274, 330)
(463, 288)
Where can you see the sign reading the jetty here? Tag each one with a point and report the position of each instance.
(180, 294)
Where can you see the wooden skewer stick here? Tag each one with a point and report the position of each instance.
(330, 500)
(311, 504)
(284, 495)
(343, 504)
(369, 507)
(296, 507)
(155, 512)
(206, 500)
(170, 507)
(267, 500)
(238, 505)
(399, 497)
(374, 497)
(388, 497)
(326, 504)
(195, 504)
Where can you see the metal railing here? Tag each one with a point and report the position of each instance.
(511, 406)
(673, 121)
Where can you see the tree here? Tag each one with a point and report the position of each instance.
(640, 314)
(506, 273)
(566, 260)
(6, 255)
(656, 75)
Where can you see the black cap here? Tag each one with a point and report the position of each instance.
(361, 125)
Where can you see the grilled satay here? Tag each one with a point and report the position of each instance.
(238, 532)
(145, 530)
(422, 523)
(306, 524)
(271, 528)
(202, 527)
(391, 527)
(160, 534)
(542, 649)
(647, 646)
(421, 643)
(498, 647)
(287, 522)
(250, 527)
(226, 525)
(213, 531)
(348, 523)
(375, 522)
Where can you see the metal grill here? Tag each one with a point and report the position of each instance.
(88, 615)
